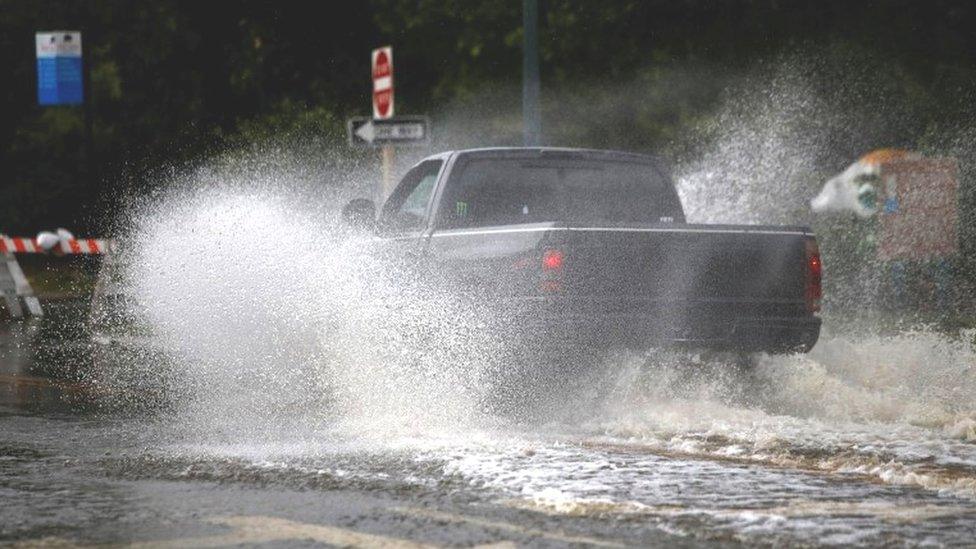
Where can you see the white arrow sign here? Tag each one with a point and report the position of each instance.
(366, 132)
(403, 130)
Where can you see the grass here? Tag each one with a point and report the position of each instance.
(64, 277)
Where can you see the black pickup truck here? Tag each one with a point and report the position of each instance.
(592, 246)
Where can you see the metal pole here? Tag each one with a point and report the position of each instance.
(388, 159)
(531, 117)
(90, 174)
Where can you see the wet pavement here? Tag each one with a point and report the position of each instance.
(868, 440)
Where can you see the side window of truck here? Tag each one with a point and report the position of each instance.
(406, 210)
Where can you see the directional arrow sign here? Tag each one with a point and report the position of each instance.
(401, 130)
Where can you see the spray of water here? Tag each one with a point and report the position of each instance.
(762, 156)
(273, 321)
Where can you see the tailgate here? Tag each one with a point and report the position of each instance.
(725, 270)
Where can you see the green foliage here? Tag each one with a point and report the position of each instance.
(288, 120)
(172, 81)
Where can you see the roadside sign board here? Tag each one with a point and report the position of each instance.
(920, 217)
(382, 64)
(402, 130)
(59, 79)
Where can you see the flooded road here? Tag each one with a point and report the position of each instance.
(867, 440)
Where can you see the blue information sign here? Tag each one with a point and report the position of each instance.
(59, 79)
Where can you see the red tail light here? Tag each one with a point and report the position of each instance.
(552, 272)
(812, 291)
(552, 260)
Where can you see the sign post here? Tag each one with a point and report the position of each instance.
(383, 129)
(382, 68)
(61, 80)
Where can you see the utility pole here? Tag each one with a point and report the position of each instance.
(531, 117)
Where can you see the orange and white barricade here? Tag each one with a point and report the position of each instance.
(14, 286)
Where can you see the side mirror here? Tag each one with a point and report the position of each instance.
(360, 214)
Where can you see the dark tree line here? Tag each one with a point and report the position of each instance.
(174, 81)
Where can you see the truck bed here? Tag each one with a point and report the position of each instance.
(721, 286)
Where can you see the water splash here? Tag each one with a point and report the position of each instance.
(276, 322)
(898, 408)
(763, 153)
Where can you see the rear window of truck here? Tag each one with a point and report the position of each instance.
(493, 191)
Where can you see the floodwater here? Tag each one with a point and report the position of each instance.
(868, 440)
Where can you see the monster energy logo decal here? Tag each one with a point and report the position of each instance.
(461, 209)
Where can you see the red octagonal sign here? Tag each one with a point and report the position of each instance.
(383, 83)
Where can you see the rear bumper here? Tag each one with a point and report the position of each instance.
(774, 335)
(719, 327)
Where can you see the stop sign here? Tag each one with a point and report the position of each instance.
(383, 83)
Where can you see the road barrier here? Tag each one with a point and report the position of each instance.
(85, 246)
(14, 286)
